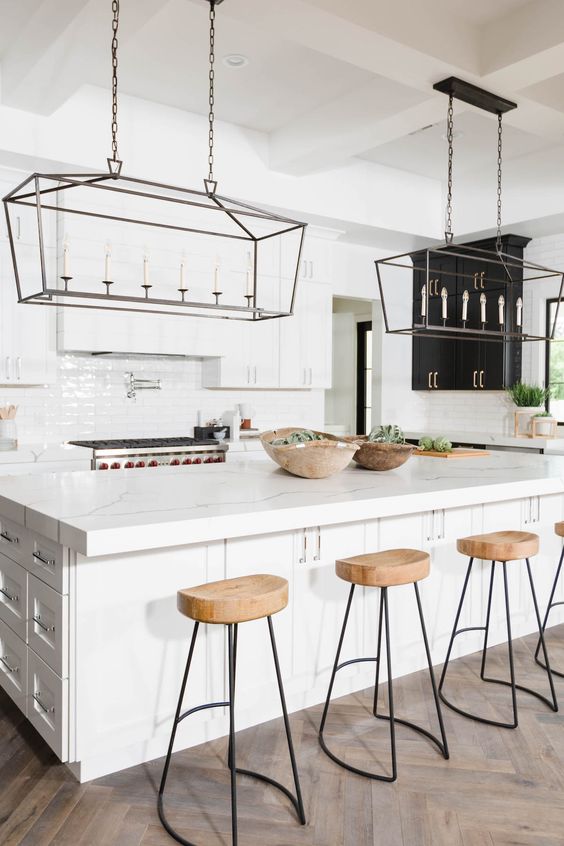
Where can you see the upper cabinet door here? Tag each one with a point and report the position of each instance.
(305, 339)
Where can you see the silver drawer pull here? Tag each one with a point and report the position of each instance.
(4, 660)
(37, 698)
(41, 624)
(50, 562)
(9, 596)
(9, 538)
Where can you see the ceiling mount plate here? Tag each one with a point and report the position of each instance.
(478, 97)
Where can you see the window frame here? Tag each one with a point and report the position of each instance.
(362, 328)
(549, 303)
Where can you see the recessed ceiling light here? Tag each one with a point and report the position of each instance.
(235, 60)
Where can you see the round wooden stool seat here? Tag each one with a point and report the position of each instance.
(234, 600)
(559, 528)
(385, 569)
(500, 546)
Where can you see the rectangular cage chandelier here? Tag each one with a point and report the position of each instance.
(462, 291)
(109, 241)
(154, 248)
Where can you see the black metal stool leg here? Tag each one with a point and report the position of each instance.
(232, 756)
(487, 628)
(550, 606)
(547, 667)
(235, 633)
(432, 675)
(378, 654)
(455, 630)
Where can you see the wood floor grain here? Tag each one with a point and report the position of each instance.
(499, 788)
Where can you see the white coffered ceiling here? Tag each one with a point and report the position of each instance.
(327, 80)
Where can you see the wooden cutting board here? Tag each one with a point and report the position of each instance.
(458, 452)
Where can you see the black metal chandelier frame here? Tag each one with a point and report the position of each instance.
(526, 271)
(43, 192)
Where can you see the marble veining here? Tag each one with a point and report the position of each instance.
(98, 513)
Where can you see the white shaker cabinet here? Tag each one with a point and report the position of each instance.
(305, 339)
(250, 356)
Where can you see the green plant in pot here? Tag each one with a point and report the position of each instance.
(527, 398)
(544, 424)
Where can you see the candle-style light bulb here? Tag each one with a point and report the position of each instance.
(423, 301)
(66, 259)
(444, 298)
(216, 288)
(108, 265)
(501, 305)
(483, 308)
(181, 286)
(146, 270)
(250, 280)
(519, 306)
(465, 299)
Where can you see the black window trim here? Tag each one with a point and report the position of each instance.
(549, 303)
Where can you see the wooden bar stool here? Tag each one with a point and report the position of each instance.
(384, 569)
(499, 548)
(559, 530)
(230, 602)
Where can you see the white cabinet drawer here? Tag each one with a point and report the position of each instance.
(47, 613)
(13, 595)
(47, 704)
(13, 666)
(14, 540)
(47, 560)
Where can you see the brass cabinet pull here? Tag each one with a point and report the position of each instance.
(475, 282)
(430, 374)
(474, 378)
(482, 274)
(481, 378)
(435, 379)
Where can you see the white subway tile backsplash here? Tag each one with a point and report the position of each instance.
(89, 399)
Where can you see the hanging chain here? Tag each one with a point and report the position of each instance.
(499, 162)
(211, 116)
(115, 24)
(450, 135)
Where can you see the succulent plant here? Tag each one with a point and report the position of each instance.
(302, 436)
(390, 434)
(442, 444)
(426, 443)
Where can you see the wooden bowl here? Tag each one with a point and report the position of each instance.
(376, 456)
(311, 460)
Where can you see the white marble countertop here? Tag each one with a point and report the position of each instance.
(491, 438)
(34, 453)
(127, 510)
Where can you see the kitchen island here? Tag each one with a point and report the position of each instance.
(90, 563)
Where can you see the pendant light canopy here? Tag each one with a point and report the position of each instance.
(109, 241)
(464, 278)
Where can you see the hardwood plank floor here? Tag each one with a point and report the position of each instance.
(500, 787)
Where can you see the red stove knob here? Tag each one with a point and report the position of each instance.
(208, 460)
(218, 459)
(102, 466)
(187, 461)
(153, 463)
(129, 464)
(140, 464)
(197, 461)
(115, 466)
(175, 462)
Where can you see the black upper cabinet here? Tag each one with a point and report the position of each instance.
(465, 365)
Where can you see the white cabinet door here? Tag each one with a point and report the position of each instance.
(319, 600)
(306, 339)
(256, 679)
(264, 345)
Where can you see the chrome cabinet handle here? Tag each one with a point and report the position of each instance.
(303, 559)
(310, 376)
(41, 624)
(430, 374)
(317, 556)
(435, 379)
(4, 660)
(36, 697)
(481, 378)
(49, 562)
(311, 270)
(474, 378)
(9, 538)
(305, 375)
(19, 368)
(255, 375)
(8, 367)
(10, 597)
(18, 227)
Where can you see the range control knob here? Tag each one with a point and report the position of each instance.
(175, 462)
(140, 464)
(129, 464)
(115, 466)
(187, 461)
(218, 459)
(197, 461)
(103, 466)
(209, 460)
(153, 463)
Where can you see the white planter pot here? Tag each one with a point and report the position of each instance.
(525, 416)
(543, 426)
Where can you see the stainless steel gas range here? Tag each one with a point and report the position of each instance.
(131, 453)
